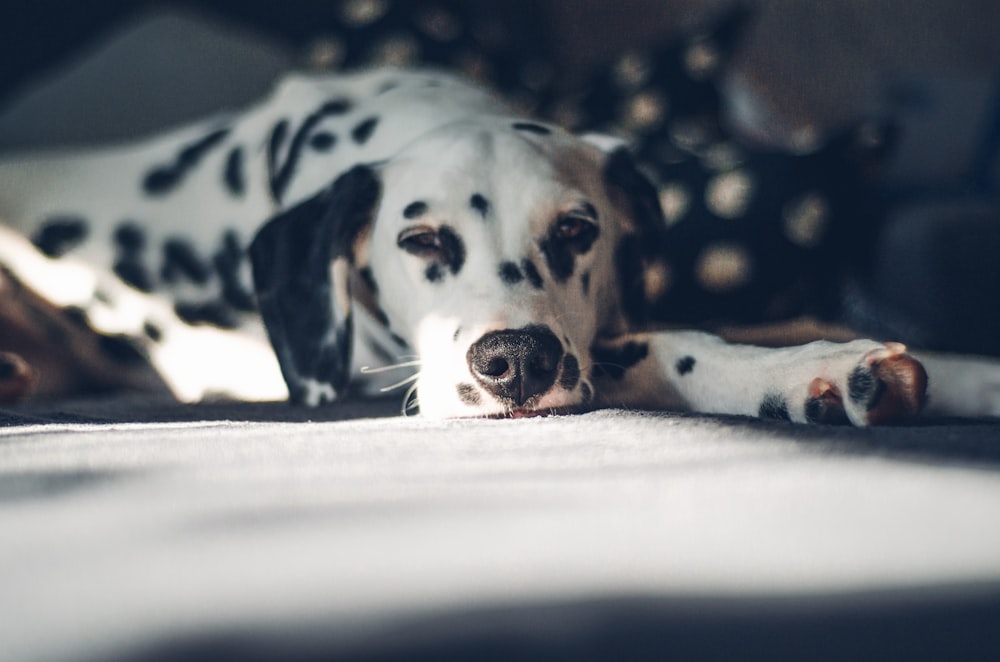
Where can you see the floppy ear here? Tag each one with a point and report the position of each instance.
(301, 264)
(639, 254)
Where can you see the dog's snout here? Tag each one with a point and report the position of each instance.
(516, 365)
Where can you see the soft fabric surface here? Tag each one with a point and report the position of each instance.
(224, 530)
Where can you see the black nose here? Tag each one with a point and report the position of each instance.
(516, 365)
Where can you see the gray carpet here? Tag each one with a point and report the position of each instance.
(270, 532)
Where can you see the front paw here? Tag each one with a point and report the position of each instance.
(887, 385)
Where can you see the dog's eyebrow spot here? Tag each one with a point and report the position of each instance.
(531, 273)
(60, 235)
(415, 209)
(458, 332)
(480, 204)
(363, 131)
(532, 127)
(468, 394)
(510, 273)
(585, 283)
(685, 364)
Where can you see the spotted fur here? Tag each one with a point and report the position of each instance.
(351, 221)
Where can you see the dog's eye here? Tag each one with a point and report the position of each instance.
(422, 241)
(575, 229)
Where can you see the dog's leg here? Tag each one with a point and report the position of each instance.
(862, 382)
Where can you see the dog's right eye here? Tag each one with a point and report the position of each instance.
(422, 241)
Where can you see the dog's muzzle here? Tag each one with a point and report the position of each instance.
(516, 365)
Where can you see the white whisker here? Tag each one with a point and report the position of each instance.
(402, 382)
(368, 370)
(410, 400)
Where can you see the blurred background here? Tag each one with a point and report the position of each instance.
(856, 141)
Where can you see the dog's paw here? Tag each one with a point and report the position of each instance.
(887, 385)
(16, 377)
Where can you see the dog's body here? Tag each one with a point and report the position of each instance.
(403, 218)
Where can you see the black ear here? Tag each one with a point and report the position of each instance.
(640, 251)
(301, 264)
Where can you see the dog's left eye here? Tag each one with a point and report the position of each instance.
(421, 241)
(575, 229)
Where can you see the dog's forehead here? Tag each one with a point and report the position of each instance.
(512, 170)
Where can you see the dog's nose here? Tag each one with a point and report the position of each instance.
(516, 365)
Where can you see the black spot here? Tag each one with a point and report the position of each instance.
(614, 361)
(585, 283)
(181, 259)
(570, 375)
(233, 174)
(399, 340)
(368, 278)
(531, 127)
(7, 368)
(363, 131)
(586, 393)
(164, 178)
(452, 249)
(121, 349)
(227, 262)
(864, 387)
(102, 296)
(323, 141)
(684, 365)
(59, 235)
(433, 273)
(212, 312)
(134, 273)
(823, 410)
(458, 332)
(275, 141)
(631, 278)
(560, 252)
(129, 237)
(774, 407)
(510, 274)
(531, 273)
(152, 331)
(281, 175)
(468, 394)
(415, 209)
(480, 204)
(77, 316)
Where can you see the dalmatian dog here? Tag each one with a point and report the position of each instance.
(356, 232)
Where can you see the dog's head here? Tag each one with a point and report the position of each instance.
(502, 252)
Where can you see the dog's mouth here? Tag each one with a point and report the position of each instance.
(523, 412)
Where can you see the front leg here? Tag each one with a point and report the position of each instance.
(862, 382)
